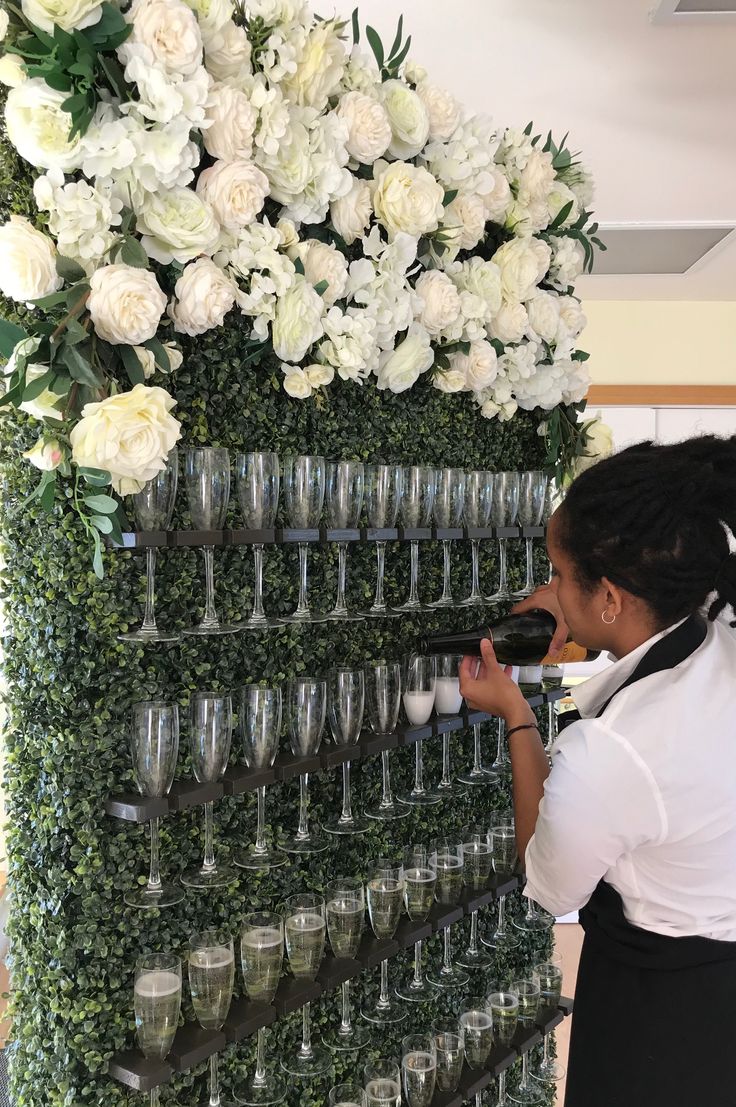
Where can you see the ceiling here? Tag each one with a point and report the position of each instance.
(652, 107)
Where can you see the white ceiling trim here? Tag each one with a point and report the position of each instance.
(665, 12)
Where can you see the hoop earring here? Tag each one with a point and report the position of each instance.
(608, 622)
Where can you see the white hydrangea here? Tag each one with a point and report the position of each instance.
(349, 345)
(482, 280)
(576, 381)
(568, 262)
(572, 315)
(81, 217)
(378, 283)
(360, 73)
(162, 96)
(515, 149)
(466, 161)
(308, 171)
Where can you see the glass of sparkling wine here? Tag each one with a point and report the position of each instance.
(448, 701)
(207, 480)
(157, 1000)
(449, 501)
(477, 864)
(305, 929)
(418, 680)
(382, 496)
(504, 855)
(343, 502)
(476, 1028)
(210, 735)
(211, 979)
(304, 494)
(420, 877)
(382, 1081)
(548, 978)
(262, 955)
(154, 746)
(306, 710)
(346, 1095)
(504, 509)
(504, 1008)
(258, 494)
(532, 494)
(345, 900)
(260, 724)
(345, 708)
(382, 706)
(417, 501)
(385, 894)
(447, 855)
(528, 993)
(476, 513)
(418, 1069)
(448, 1043)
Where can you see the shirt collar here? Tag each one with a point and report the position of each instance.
(590, 696)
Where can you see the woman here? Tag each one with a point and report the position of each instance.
(636, 821)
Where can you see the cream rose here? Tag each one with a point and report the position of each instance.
(559, 197)
(319, 375)
(128, 435)
(522, 264)
(212, 15)
(67, 14)
(177, 225)
(296, 382)
(170, 31)
(451, 380)
(47, 454)
(227, 53)
(232, 122)
(125, 303)
(351, 214)
(537, 176)
(46, 404)
(39, 128)
(204, 296)
(598, 444)
(497, 199)
(479, 367)
(572, 315)
(443, 111)
(236, 191)
(510, 322)
(437, 301)
(297, 321)
(12, 71)
(319, 68)
(368, 127)
(468, 212)
(543, 309)
(408, 198)
(27, 261)
(400, 369)
(408, 117)
(323, 263)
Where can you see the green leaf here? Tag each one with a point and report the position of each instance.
(61, 383)
(529, 127)
(561, 216)
(356, 27)
(101, 504)
(74, 333)
(321, 287)
(397, 40)
(97, 565)
(47, 493)
(397, 62)
(79, 366)
(376, 45)
(37, 386)
(50, 301)
(449, 196)
(103, 523)
(70, 270)
(97, 477)
(10, 335)
(132, 253)
(132, 364)
(160, 353)
(47, 479)
(299, 266)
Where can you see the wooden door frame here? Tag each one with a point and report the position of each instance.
(662, 395)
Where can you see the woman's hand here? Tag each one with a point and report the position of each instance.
(491, 689)
(545, 599)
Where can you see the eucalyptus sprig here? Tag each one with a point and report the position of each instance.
(389, 62)
(566, 439)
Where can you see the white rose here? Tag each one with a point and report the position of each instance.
(236, 191)
(451, 380)
(296, 382)
(520, 261)
(543, 309)
(227, 53)
(170, 31)
(67, 14)
(443, 110)
(125, 303)
(39, 128)
(27, 261)
(437, 301)
(490, 409)
(568, 262)
(368, 127)
(319, 375)
(479, 367)
(177, 225)
(414, 73)
(408, 198)
(212, 15)
(232, 122)
(468, 212)
(351, 214)
(498, 198)
(12, 71)
(288, 233)
(399, 369)
(319, 68)
(129, 435)
(537, 176)
(204, 296)
(408, 117)
(510, 322)
(323, 262)
(598, 444)
(297, 321)
(46, 404)
(572, 315)
(4, 23)
(47, 454)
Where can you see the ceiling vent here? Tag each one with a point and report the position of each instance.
(684, 12)
(650, 250)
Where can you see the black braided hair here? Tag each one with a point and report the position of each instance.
(651, 519)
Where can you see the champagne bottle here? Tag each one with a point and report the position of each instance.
(517, 640)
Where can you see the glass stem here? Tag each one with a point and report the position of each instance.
(383, 999)
(260, 1076)
(473, 946)
(302, 605)
(347, 814)
(210, 612)
(477, 766)
(502, 1090)
(306, 1046)
(414, 583)
(418, 768)
(478, 1100)
(524, 1071)
(446, 951)
(345, 1022)
(418, 976)
(551, 726)
(258, 582)
(529, 586)
(502, 585)
(530, 910)
(446, 781)
(379, 601)
(149, 618)
(154, 1099)
(260, 846)
(154, 876)
(342, 569)
(545, 1051)
(386, 798)
(209, 837)
(302, 831)
(446, 596)
(475, 578)
(214, 1082)
(501, 930)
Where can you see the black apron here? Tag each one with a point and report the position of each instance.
(655, 1017)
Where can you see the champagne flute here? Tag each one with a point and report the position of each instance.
(260, 721)
(154, 743)
(207, 479)
(419, 1069)
(501, 766)
(528, 993)
(385, 893)
(382, 497)
(504, 855)
(476, 1029)
(153, 507)
(383, 703)
(304, 493)
(548, 978)
(504, 1008)
(304, 929)
(417, 500)
(532, 493)
(346, 1095)
(534, 921)
(343, 501)
(345, 705)
(418, 680)
(157, 1001)
(345, 900)
(447, 701)
(420, 877)
(449, 502)
(478, 774)
(382, 1081)
(306, 707)
(504, 509)
(447, 854)
(477, 864)
(448, 1043)
(258, 494)
(211, 979)
(262, 955)
(210, 732)
(476, 513)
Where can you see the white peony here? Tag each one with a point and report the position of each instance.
(227, 53)
(177, 225)
(125, 303)
(572, 315)
(437, 303)
(27, 261)
(204, 295)
(350, 343)
(408, 117)
(443, 111)
(368, 126)
(231, 123)
(235, 190)
(399, 369)
(319, 375)
(467, 212)
(568, 262)
(479, 367)
(212, 15)
(297, 323)
(129, 435)
(407, 198)
(323, 262)
(39, 128)
(296, 382)
(170, 31)
(4, 23)
(351, 214)
(67, 14)
(45, 405)
(319, 67)
(482, 280)
(523, 263)
(12, 71)
(81, 217)
(538, 175)
(510, 323)
(543, 310)
(450, 380)
(47, 454)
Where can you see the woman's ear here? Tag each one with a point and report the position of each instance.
(614, 597)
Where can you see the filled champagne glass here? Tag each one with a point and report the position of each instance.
(477, 865)
(448, 1043)
(262, 955)
(477, 513)
(207, 480)
(548, 977)
(345, 708)
(258, 494)
(345, 909)
(419, 683)
(157, 1001)
(419, 1069)
(305, 928)
(382, 1080)
(528, 993)
(504, 509)
(420, 878)
(306, 710)
(346, 1095)
(383, 484)
(210, 734)
(504, 857)
(343, 503)
(260, 724)
(449, 503)
(211, 980)
(447, 855)
(385, 894)
(154, 745)
(476, 1028)
(504, 1008)
(304, 494)
(417, 501)
(153, 507)
(382, 706)
(532, 494)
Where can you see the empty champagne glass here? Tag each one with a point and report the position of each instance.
(207, 480)
(382, 705)
(306, 708)
(346, 1095)
(418, 680)
(385, 894)
(534, 921)
(548, 978)
(449, 502)
(304, 493)
(345, 900)
(304, 929)
(447, 786)
(210, 735)
(450, 1054)
(502, 763)
(478, 774)
(383, 485)
(343, 502)
(262, 955)
(504, 510)
(477, 864)
(532, 493)
(419, 1069)
(157, 1001)
(260, 723)
(447, 854)
(504, 855)
(417, 500)
(420, 877)
(154, 744)
(477, 513)
(528, 993)
(382, 1081)
(211, 979)
(258, 493)
(345, 706)
(153, 507)
(504, 1008)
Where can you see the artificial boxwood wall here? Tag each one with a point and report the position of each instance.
(70, 684)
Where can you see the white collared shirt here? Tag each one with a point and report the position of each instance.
(645, 796)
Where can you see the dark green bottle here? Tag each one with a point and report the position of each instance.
(517, 640)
